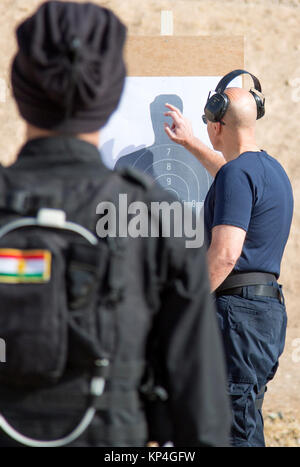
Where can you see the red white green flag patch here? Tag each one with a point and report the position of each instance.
(20, 266)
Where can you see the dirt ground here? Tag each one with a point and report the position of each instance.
(271, 29)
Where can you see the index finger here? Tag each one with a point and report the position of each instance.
(174, 109)
(177, 118)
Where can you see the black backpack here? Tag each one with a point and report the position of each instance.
(51, 273)
(55, 277)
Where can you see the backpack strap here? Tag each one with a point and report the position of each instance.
(116, 273)
(24, 203)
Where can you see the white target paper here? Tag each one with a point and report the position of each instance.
(135, 136)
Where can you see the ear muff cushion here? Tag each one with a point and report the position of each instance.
(216, 107)
(260, 105)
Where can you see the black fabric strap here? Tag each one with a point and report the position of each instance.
(258, 290)
(245, 279)
(25, 203)
(260, 398)
(116, 274)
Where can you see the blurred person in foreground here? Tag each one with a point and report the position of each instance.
(86, 332)
(248, 213)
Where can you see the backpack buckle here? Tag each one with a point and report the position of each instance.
(51, 217)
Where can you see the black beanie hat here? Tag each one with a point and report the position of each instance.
(68, 73)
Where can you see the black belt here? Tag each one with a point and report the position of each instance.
(234, 284)
(246, 278)
(260, 290)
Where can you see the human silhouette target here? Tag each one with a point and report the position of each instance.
(170, 164)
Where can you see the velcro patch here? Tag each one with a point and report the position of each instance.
(24, 266)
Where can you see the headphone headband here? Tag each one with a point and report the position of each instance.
(217, 104)
(222, 85)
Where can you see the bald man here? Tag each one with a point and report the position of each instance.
(248, 213)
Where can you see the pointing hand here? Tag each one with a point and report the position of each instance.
(181, 131)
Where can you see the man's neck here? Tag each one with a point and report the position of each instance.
(234, 154)
(238, 143)
(34, 132)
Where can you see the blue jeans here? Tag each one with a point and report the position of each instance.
(253, 329)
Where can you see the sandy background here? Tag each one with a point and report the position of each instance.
(271, 29)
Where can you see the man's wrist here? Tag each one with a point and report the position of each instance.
(192, 143)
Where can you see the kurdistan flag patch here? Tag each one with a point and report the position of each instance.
(24, 266)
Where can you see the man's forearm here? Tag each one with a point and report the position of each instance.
(210, 159)
(219, 268)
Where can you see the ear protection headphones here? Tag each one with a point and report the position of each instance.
(217, 104)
